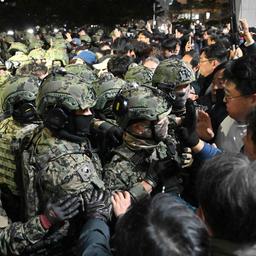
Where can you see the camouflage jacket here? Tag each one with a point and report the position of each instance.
(53, 168)
(17, 236)
(126, 168)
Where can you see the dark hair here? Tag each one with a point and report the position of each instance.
(118, 65)
(161, 226)
(226, 192)
(216, 51)
(195, 58)
(122, 45)
(242, 72)
(170, 44)
(142, 50)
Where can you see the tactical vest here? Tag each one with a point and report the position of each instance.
(12, 137)
(137, 159)
(35, 164)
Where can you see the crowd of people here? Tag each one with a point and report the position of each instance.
(137, 142)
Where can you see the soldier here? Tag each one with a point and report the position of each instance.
(174, 77)
(106, 88)
(139, 74)
(142, 111)
(18, 105)
(18, 100)
(59, 160)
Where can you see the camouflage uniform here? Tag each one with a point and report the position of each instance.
(54, 165)
(131, 161)
(106, 88)
(15, 237)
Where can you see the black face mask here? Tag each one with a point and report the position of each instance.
(82, 125)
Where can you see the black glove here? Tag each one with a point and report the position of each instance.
(114, 134)
(187, 132)
(160, 169)
(99, 206)
(60, 211)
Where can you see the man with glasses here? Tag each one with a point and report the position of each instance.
(210, 58)
(240, 99)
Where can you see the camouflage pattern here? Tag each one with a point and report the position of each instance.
(85, 38)
(106, 89)
(35, 43)
(18, 89)
(57, 167)
(37, 54)
(12, 135)
(122, 173)
(67, 90)
(21, 58)
(56, 54)
(131, 161)
(18, 47)
(83, 71)
(17, 236)
(9, 39)
(139, 74)
(173, 72)
(143, 102)
(4, 77)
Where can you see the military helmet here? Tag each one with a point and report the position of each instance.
(106, 89)
(82, 70)
(64, 90)
(17, 46)
(56, 54)
(18, 60)
(37, 54)
(18, 89)
(139, 74)
(140, 102)
(86, 38)
(171, 73)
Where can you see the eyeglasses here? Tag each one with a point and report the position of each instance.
(206, 60)
(228, 97)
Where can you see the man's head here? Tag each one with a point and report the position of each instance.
(106, 88)
(162, 226)
(118, 65)
(210, 58)
(174, 77)
(141, 109)
(18, 98)
(227, 197)
(170, 47)
(240, 87)
(144, 36)
(139, 74)
(64, 101)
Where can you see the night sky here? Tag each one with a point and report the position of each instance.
(19, 13)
